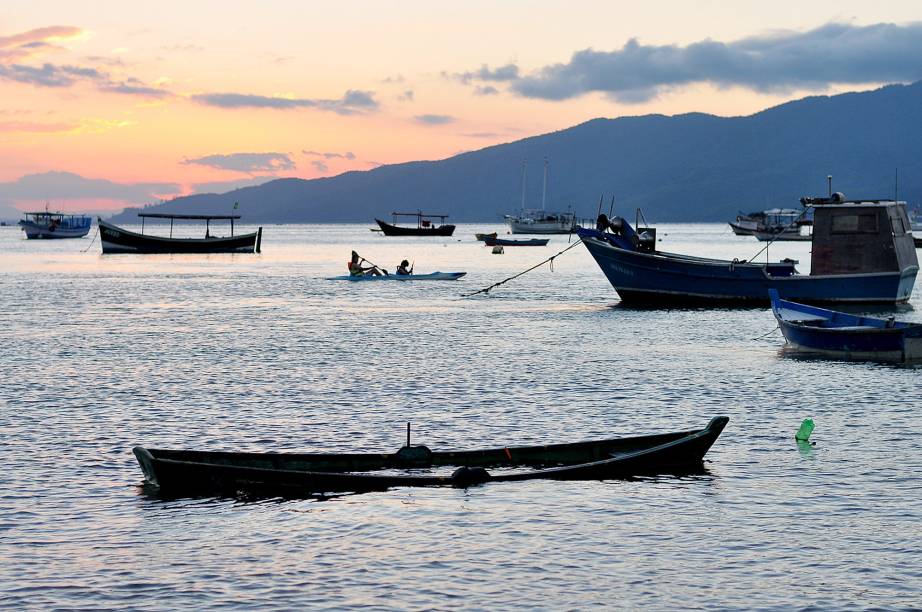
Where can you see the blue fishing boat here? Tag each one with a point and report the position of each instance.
(846, 336)
(862, 251)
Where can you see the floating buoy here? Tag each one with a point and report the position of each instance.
(498, 249)
(806, 428)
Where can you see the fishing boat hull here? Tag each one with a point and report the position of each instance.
(794, 236)
(668, 279)
(493, 240)
(44, 231)
(841, 335)
(119, 240)
(434, 276)
(178, 473)
(390, 229)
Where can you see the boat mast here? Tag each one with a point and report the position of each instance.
(524, 167)
(544, 190)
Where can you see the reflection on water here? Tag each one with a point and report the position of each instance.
(257, 352)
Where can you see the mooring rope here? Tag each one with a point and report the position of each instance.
(777, 327)
(506, 280)
(91, 241)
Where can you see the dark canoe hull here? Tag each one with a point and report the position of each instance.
(179, 473)
(118, 240)
(846, 336)
(396, 230)
(667, 279)
(509, 242)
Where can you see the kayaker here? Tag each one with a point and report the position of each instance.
(356, 269)
(404, 268)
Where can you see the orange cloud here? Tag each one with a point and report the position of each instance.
(24, 45)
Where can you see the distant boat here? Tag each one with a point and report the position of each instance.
(530, 221)
(915, 225)
(119, 240)
(48, 225)
(494, 240)
(424, 225)
(432, 276)
(774, 224)
(861, 252)
(846, 336)
(193, 473)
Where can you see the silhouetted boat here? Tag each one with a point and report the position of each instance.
(846, 336)
(54, 225)
(424, 225)
(861, 252)
(119, 240)
(494, 240)
(178, 472)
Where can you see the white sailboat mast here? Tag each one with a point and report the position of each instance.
(524, 167)
(544, 190)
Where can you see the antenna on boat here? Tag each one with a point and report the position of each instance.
(829, 182)
(408, 433)
(544, 190)
(601, 197)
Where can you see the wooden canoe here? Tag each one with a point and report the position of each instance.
(184, 473)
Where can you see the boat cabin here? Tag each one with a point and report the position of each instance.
(860, 236)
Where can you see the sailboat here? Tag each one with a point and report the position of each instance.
(531, 221)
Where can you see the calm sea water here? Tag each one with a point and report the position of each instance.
(259, 352)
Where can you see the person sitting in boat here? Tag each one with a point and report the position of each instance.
(356, 269)
(404, 268)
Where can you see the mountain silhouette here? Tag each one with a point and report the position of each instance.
(689, 167)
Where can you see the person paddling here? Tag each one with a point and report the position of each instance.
(404, 269)
(356, 269)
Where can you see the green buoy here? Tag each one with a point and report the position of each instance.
(806, 428)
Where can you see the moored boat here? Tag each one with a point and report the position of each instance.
(425, 226)
(54, 225)
(494, 240)
(846, 336)
(179, 472)
(861, 252)
(432, 276)
(774, 224)
(539, 221)
(119, 240)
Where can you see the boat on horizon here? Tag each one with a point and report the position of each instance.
(862, 251)
(54, 225)
(425, 225)
(116, 239)
(178, 473)
(540, 221)
(842, 335)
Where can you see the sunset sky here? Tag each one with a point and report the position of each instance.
(106, 104)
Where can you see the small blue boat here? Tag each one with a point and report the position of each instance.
(846, 336)
(433, 276)
(862, 251)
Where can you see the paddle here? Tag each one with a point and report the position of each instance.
(386, 273)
